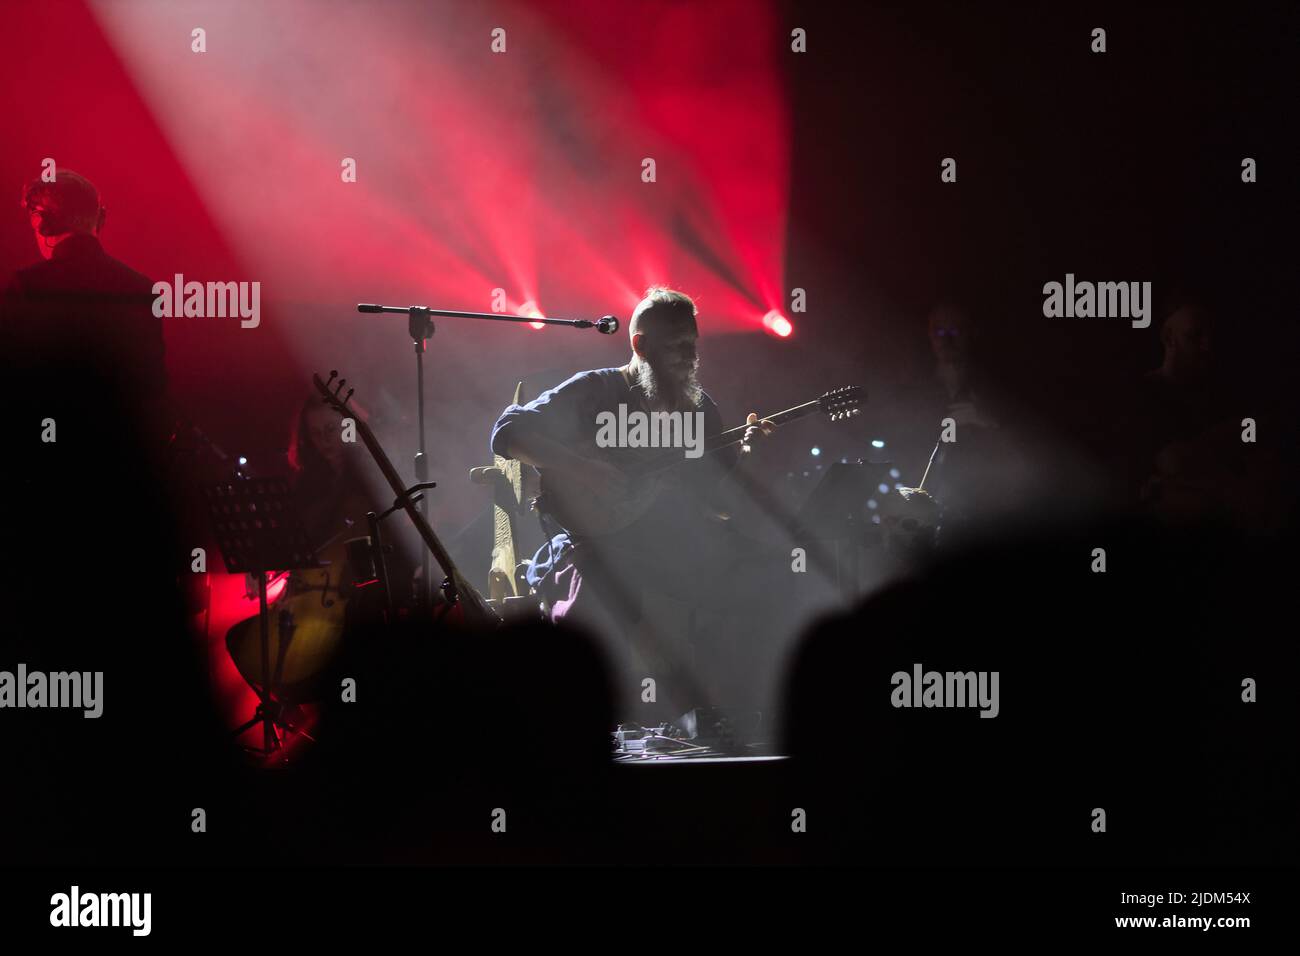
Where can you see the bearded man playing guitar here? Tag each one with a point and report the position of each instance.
(635, 540)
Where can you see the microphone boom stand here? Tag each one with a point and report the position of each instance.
(420, 327)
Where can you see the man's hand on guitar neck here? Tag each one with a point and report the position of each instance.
(756, 430)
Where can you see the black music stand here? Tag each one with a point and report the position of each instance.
(258, 530)
(836, 511)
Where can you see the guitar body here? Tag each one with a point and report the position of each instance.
(312, 646)
(594, 512)
(588, 511)
(317, 602)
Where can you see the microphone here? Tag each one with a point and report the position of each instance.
(367, 307)
(607, 324)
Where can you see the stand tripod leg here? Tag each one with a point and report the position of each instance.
(270, 741)
(255, 719)
(422, 462)
(380, 563)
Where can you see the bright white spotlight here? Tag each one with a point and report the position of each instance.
(816, 451)
(877, 443)
(530, 310)
(777, 324)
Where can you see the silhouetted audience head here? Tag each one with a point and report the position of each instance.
(1095, 669)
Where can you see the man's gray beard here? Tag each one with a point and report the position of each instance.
(675, 395)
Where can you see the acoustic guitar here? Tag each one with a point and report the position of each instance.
(587, 512)
(316, 600)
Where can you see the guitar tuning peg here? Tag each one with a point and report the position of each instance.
(342, 382)
(333, 375)
(349, 398)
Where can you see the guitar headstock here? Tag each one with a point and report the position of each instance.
(332, 397)
(843, 403)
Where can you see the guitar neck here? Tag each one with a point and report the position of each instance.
(399, 489)
(733, 436)
(390, 475)
(473, 607)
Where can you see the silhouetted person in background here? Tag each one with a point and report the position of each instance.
(950, 331)
(90, 576)
(83, 369)
(332, 497)
(977, 474)
(1187, 459)
(78, 328)
(327, 481)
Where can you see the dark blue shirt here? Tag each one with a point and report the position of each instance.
(567, 414)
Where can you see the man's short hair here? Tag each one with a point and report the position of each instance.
(68, 203)
(662, 302)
